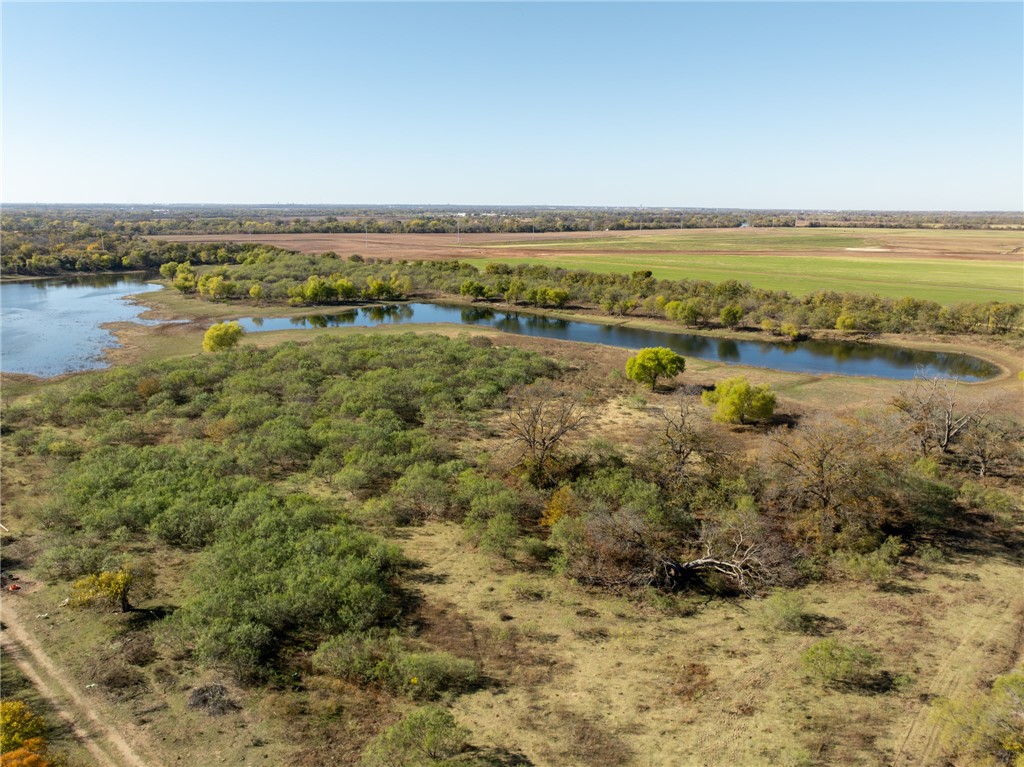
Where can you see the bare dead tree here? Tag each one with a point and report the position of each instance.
(539, 419)
(934, 416)
(742, 563)
(687, 438)
(832, 476)
(622, 550)
(821, 463)
(994, 446)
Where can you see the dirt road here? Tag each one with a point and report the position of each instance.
(84, 716)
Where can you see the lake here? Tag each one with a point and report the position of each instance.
(817, 357)
(52, 326)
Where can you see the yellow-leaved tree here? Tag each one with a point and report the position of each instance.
(19, 727)
(111, 587)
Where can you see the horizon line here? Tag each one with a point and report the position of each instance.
(566, 206)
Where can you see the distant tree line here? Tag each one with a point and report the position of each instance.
(72, 223)
(914, 220)
(269, 274)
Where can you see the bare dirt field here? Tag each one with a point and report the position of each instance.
(972, 245)
(948, 266)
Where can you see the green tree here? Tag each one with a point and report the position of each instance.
(739, 402)
(557, 297)
(731, 315)
(846, 322)
(690, 313)
(516, 288)
(345, 289)
(648, 365)
(790, 329)
(473, 289)
(221, 336)
(185, 278)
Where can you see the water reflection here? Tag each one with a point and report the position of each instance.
(816, 357)
(52, 326)
(728, 350)
(476, 316)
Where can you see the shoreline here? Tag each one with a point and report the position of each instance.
(1007, 359)
(4, 278)
(180, 320)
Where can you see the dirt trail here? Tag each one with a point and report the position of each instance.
(83, 716)
(921, 746)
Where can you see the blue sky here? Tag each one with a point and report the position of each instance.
(815, 105)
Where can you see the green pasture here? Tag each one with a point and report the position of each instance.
(778, 259)
(947, 282)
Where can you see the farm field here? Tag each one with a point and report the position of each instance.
(940, 265)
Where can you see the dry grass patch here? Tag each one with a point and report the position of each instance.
(717, 687)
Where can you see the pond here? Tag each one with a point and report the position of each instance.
(52, 326)
(817, 357)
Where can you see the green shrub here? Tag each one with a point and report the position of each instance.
(500, 534)
(376, 657)
(426, 675)
(366, 657)
(51, 445)
(998, 504)
(71, 561)
(284, 568)
(830, 662)
(988, 729)
(637, 402)
(878, 566)
(784, 611)
(535, 549)
(930, 554)
(23, 441)
(425, 738)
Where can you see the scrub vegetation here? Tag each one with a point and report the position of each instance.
(252, 517)
(389, 548)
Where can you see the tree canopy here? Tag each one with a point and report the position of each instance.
(739, 402)
(223, 335)
(648, 365)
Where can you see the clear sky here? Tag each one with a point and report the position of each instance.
(814, 105)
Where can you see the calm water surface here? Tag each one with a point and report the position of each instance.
(834, 357)
(52, 326)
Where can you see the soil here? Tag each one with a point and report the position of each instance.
(84, 717)
(447, 246)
